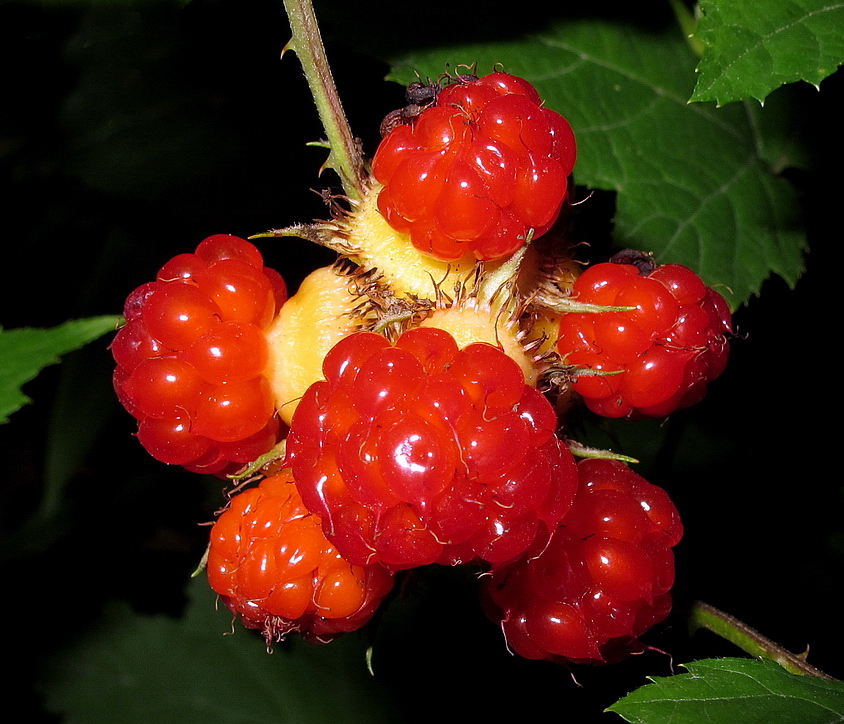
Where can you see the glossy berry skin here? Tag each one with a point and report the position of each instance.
(420, 452)
(476, 171)
(271, 564)
(602, 581)
(660, 355)
(192, 356)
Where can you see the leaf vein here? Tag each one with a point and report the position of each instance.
(659, 90)
(765, 37)
(721, 190)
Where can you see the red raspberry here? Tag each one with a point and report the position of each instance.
(270, 563)
(192, 356)
(419, 452)
(476, 171)
(601, 582)
(666, 350)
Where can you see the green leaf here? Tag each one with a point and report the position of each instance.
(136, 669)
(727, 691)
(25, 352)
(692, 186)
(753, 48)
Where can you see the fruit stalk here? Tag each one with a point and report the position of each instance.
(739, 633)
(344, 156)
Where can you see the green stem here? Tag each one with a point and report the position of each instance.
(739, 633)
(688, 24)
(345, 157)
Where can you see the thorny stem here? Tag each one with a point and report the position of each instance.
(739, 633)
(345, 157)
(688, 24)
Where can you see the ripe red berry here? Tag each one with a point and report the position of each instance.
(270, 562)
(656, 357)
(601, 582)
(192, 357)
(477, 170)
(420, 452)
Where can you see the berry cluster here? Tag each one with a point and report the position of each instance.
(658, 355)
(477, 170)
(409, 375)
(421, 452)
(604, 578)
(192, 355)
(270, 563)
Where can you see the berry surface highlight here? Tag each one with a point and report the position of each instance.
(271, 564)
(601, 582)
(192, 356)
(656, 357)
(420, 452)
(476, 171)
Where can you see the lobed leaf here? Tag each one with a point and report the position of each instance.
(753, 48)
(692, 185)
(25, 352)
(726, 691)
